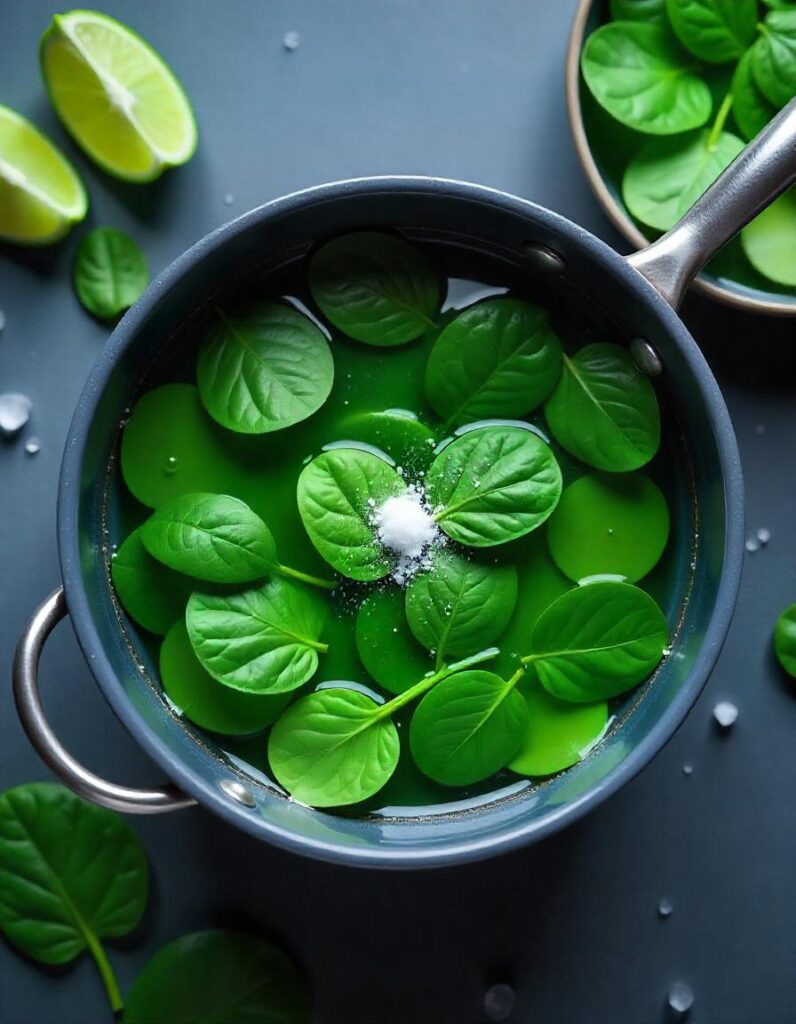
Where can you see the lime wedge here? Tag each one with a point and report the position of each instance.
(41, 196)
(116, 97)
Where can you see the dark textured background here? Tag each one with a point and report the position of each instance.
(468, 89)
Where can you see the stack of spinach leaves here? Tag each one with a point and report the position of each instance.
(244, 632)
(694, 81)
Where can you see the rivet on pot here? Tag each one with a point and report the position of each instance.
(238, 792)
(543, 259)
(646, 358)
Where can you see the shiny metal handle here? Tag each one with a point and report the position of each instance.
(752, 181)
(46, 743)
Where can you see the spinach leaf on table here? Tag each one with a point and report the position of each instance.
(374, 287)
(219, 976)
(338, 493)
(264, 640)
(468, 727)
(785, 640)
(716, 31)
(769, 241)
(493, 484)
(500, 357)
(385, 644)
(642, 76)
(263, 367)
(604, 411)
(460, 606)
(110, 272)
(774, 57)
(750, 108)
(71, 874)
(598, 641)
(151, 594)
(668, 175)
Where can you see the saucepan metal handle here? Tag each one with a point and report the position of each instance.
(49, 747)
(763, 171)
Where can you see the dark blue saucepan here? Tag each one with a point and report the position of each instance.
(639, 295)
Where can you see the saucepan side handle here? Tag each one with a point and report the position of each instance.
(49, 747)
(752, 181)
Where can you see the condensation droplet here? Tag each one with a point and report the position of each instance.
(291, 41)
(33, 447)
(665, 908)
(171, 466)
(14, 413)
(726, 714)
(680, 998)
(498, 1002)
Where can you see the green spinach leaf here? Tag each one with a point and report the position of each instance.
(785, 640)
(668, 175)
(467, 728)
(211, 537)
(598, 641)
(604, 411)
(385, 644)
(500, 357)
(780, 5)
(71, 874)
(110, 272)
(769, 241)
(493, 484)
(750, 108)
(774, 58)
(640, 74)
(714, 30)
(338, 493)
(400, 434)
(332, 748)
(459, 606)
(263, 367)
(638, 10)
(375, 288)
(219, 976)
(205, 701)
(152, 595)
(265, 640)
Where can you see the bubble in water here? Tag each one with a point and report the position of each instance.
(764, 535)
(726, 714)
(688, 769)
(752, 545)
(171, 466)
(14, 413)
(229, 199)
(33, 447)
(291, 41)
(680, 998)
(498, 1002)
(665, 908)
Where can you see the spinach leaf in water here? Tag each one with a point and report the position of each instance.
(604, 411)
(71, 874)
(212, 976)
(638, 10)
(338, 493)
(264, 640)
(785, 640)
(493, 484)
(216, 538)
(386, 647)
(641, 75)
(598, 641)
(263, 367)
(375, 288)
(774, 57)
(459, 607)
(497, 358)
(110, 272)
(151, 594)
(714, 30)
(769, 241)
(667, 176)
(468, 727)
(750, 108)
(399, 433)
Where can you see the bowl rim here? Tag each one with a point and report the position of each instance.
(616, 213)
(458, 850)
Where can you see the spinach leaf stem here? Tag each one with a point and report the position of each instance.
(426, 683)
(718, 124)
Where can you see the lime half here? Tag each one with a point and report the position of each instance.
(41, 196)
(116, 97)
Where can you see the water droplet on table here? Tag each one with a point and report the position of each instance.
(14, 413)
(764, 535)
(752, 545)
(688, 769)
(2, 320)
(33, 446)
(229, 199)
(760, 430)
(680, 998)
(665, 908)
(291, 41)
(726, 714)
(498, 1002)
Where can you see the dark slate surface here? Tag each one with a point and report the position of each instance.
(467, 89)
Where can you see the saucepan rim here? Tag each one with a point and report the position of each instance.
(126, 335)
